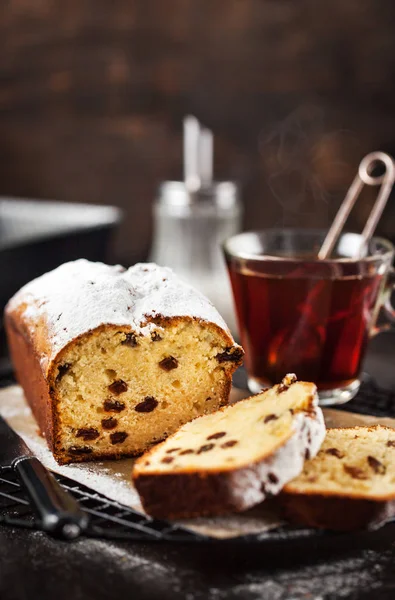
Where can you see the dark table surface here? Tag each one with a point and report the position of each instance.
(33, 566)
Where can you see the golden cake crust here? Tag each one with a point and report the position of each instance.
(336, 513)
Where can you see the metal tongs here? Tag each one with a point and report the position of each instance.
(363, 177)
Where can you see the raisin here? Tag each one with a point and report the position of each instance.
(147, 405)
(307, 454)
(269, 418)
(167, 459)
(286, 383)
(118, 387)
(111, 405)
(391, 443)
(187, 451)
(335, 452)
(205, 448)
(109, 423)
(130, 340)
(62, 370)
(118, 437)
(216, 436)
(272, 478)
(155, 337)
(169, 363)
(79, 450)
(87, 433)
(355, 472)
(376, 465)
(229, 444)
(172, 450)
(230, 354)
(208, 398)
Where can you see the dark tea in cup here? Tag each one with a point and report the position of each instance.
(303, 315)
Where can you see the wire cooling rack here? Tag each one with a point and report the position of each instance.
(372, 400)
(108, 519)
(111, 520)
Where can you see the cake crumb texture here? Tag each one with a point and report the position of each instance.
(354, 462)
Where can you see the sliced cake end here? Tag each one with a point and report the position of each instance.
(349, 485)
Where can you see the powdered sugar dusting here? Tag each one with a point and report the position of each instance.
(79, 296)
(284, 464)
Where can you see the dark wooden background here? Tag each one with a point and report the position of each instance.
(92, 95)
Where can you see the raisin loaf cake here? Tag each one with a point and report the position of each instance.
(113, 360)
(349, 485)
(232, 459)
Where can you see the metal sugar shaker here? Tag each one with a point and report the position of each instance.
(191, 220)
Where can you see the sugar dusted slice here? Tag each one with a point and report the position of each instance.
(232, 459)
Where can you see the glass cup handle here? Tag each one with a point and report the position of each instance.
(388, 309)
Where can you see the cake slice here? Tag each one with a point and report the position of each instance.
(349, 485)
(232, 459)
(113, 360)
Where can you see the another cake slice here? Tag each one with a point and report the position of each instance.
(349, 485)
(232, 459)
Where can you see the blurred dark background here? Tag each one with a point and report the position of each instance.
(92, 96)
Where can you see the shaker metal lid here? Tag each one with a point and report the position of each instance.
(224, 194)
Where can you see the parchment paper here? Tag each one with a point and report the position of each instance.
(113, 478)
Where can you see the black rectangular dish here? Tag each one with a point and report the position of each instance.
(37, 236)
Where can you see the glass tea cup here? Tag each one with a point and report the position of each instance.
(298, 314)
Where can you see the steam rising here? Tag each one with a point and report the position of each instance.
(304, 168)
